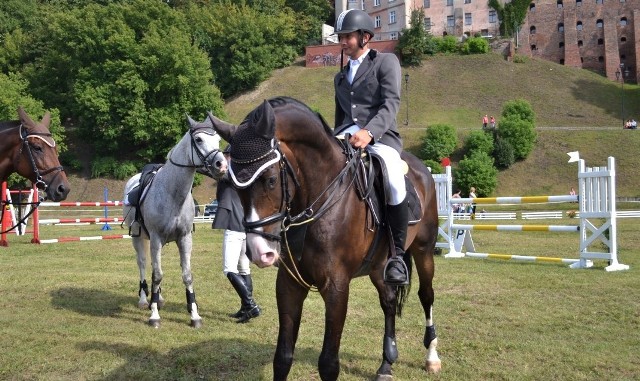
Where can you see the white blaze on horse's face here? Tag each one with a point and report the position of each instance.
(264, 253)
(208, 144)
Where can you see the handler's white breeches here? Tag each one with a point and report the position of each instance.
(234, 253)
(395, 168)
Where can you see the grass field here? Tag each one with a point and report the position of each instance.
(68, 312)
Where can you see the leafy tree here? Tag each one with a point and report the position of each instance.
(503, 153)
(520, 109)
(413, 42)
(475, 45)
(439, 141)
(520, 134)
(128, 71)
(434, 165)
(477, 171)
(479, 141)
(511, 15)
(447, 44)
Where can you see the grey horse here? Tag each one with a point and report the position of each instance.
(165, 209)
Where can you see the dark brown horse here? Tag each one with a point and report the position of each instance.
(295, 186)
(26, 147)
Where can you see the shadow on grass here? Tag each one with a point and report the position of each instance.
(91, 302)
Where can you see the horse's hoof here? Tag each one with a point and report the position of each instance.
(196, 323)
(384, 377)
(433, 366)
(143, 306)
(155, 323)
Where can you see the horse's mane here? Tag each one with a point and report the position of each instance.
(283, 101)
(9, 123)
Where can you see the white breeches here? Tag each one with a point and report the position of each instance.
(234, 253)
(395, 168)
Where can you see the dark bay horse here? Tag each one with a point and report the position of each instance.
(294, 185)
(26, 147)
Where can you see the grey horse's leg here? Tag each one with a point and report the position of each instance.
(156, 280)
(185, 245)
(141, 246)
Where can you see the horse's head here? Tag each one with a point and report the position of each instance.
(259, 173)
(38, 157)
(205, 144)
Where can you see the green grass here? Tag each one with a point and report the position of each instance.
(68, 312)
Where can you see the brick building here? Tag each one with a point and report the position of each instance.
(597, 35)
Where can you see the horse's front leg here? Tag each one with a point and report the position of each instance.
(142, 249)
(290, 298)
(185, 245)
(425, 269)
(388, 296)
(336, 299)
(156, 280)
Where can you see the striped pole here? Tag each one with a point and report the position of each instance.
(514, 200)
(97, 220)
(526, 258)
(519, 228)
(85, 203)
(76, 239)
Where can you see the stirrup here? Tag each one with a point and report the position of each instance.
(396, 261)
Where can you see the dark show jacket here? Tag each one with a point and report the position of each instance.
(372, 100)
(230, 214)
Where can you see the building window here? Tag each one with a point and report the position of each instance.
(601, 59)
(559, 3)
(623, 39)
(376, 3)
(467, 19)
(467, 1)
(392, 17)
(427, 3)
(623, 21)
(579, 3)
(484, 32)
(599, 1)
(600, 41)
(533, 47)
(561, 45)
(427, 23)
(449, 3)
(561, 61)
(532, 30)
(493, 17)
(532, 7)
(561, 27)
(579, 25)
(599, 23)
(579, 43)
(450, 22)
(377, 21)
(581, 59)
(393, 36)
(623, 57)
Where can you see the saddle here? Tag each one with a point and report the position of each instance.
(136, 195)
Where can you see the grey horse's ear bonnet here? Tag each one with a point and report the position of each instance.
(253, 147)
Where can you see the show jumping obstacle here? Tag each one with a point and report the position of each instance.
(596, 199)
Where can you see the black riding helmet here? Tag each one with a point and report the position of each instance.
(352, 20)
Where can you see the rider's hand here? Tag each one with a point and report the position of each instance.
(360, 139)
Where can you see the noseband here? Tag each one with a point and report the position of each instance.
(308, 215)
(205, 163)
(24, 136)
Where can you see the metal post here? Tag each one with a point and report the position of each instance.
(406, 95)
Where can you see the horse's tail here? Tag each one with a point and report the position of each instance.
(402, 292)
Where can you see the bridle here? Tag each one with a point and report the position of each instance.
(26, 146)
(203, 158)
(309, 213)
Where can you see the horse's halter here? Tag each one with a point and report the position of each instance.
(308, 214)
(24, 136)
(205, 163)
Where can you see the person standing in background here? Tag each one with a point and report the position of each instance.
(235, 263)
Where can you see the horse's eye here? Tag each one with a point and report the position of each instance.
(37, 148)
(271, 182)
(198, 139)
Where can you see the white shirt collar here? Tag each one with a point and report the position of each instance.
(361, 58)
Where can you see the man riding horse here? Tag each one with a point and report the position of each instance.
(367, 98)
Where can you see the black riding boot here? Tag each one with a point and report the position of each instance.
(244, 288)
(249, 284)
(395, 271)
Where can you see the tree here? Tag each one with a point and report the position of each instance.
(511, 15)
(520, 109)
(520, 134)
(439, 141)
(477, 171)
(413, 42)
(479, 141)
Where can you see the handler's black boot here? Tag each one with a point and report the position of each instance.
(244, 287)
(395, 271)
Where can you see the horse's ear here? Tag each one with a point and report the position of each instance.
(192, 123)
(24, 118)
(226, 130)
(265, 125)
(46, 119)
